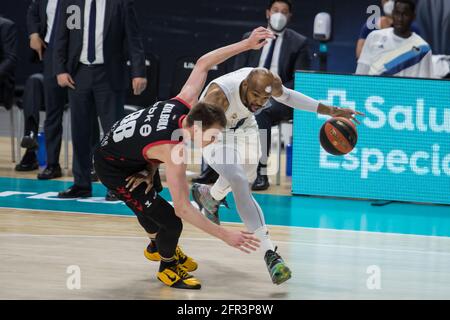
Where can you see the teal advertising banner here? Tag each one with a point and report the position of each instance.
(403, 151)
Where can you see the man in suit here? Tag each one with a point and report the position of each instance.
(287, 53)
(41, 30)
(33, 101)
(8, 61)
(94, 40)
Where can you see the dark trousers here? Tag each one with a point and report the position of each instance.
(93, 96)
(268, 118)
(55, 100)
(33, 102)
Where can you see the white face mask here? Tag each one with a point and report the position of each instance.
(278, 21)
(388, 7)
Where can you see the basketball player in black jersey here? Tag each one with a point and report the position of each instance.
(142, 140)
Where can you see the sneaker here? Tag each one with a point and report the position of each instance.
(206, 203)
(177, 277)
(151, 253)
(186, 262)
(278, 270)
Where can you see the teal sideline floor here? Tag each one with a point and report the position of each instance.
(292, 211)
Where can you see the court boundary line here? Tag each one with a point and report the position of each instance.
(238, 223)
(311, 244)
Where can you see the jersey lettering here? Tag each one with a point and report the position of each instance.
(164, 117)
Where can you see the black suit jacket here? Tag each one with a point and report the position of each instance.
(8, 59)
(37, 23)
(37, 17)
(122, 41)
(294, 55)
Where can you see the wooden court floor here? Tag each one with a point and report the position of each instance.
(38, 248)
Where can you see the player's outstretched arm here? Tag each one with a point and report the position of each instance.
(196, 81)
(179, 190)
(299, 101)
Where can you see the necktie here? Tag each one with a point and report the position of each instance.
(92, 25)
(55, 24)
(268, 62)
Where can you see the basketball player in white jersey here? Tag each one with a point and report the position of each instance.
(235, 158)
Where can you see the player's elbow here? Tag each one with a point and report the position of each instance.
(203, 64)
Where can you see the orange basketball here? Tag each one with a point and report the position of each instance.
(338, 136)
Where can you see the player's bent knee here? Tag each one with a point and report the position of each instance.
(175, 226)
(237, 177)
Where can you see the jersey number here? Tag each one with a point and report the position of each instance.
(126, 127)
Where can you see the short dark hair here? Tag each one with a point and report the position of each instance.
(411, 3)
(288, 2)
(207, 114)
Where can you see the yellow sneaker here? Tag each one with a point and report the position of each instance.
(186, 262)
(152, 254)
(177, 277)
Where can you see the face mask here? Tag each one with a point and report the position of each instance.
(278, 21)
(388, 7)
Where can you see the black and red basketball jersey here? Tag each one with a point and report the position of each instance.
(126, 144)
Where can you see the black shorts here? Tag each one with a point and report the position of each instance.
(153, 212)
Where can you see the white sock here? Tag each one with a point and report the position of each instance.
(263, 235)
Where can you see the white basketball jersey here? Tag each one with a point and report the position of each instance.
(237, 114)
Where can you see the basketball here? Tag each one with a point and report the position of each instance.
(338, 136)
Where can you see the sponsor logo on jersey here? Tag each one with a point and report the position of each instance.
(164, 117)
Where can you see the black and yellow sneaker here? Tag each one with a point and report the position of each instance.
(278, 270)
(186, 262)
(177, 277)
(152, 254)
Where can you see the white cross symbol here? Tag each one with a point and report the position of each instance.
(343, 102)
(148, 204)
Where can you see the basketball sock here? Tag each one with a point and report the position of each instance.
(263, 235)
(153, 241)
(167, 263)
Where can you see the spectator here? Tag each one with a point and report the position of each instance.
(384, 22)
(41, 29)
(33, 100)
(287, 53)
(91, 61)
(397, 51)
(8, 60)
(434, 18)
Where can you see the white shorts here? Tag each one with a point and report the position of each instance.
(235, 148)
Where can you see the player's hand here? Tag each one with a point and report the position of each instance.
(37, 44)
(139, 85)
(258, 38)
(345, 113)
(137, 179)
(65, 80)
(241, 240)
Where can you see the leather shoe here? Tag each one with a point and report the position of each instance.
(261, 183)
(29, 162)
(94, 176)
(111, 196)
(51, 172)
(29, 142)
(208, 176)
(75, 192)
